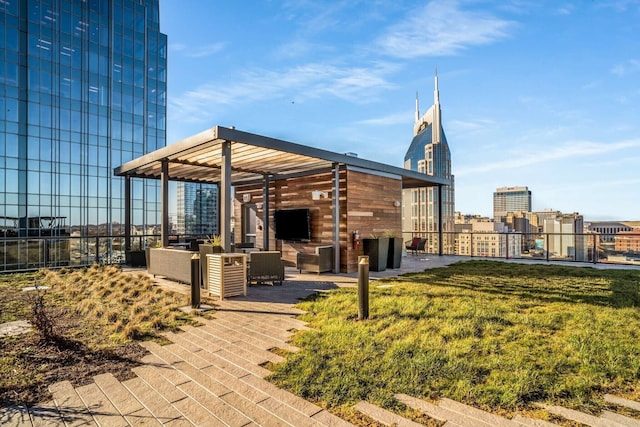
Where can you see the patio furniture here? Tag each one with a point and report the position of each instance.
(174, 264)
(266, 266)
(227, 274)
(318, 262)
(416, 245)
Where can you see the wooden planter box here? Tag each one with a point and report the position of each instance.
(206, 249)
(227, 275)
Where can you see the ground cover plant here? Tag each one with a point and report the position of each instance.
(96, 316)
(498, 336)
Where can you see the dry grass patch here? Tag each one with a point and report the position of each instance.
(98, 314)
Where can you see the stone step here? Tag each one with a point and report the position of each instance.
(476, 413)
(71, 407)
(289, 399)
(223, 329)
(255, 412)
(125, 402)
(261, 325)
(620, 419)
(284, 412)
(100, 407)
(622, 402)
(439, 413)
(578, 416)
(383, 416)
(224, 412)
(155, 403)
(15, 415)
(213, 355)
(214, 343)
(284, 322)
(159, 383)
(526, 421)
(45, 415)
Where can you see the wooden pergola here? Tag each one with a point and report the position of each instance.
(229, 157)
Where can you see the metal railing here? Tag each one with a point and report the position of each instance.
(32, 253)
(578, 247)
(35, 252)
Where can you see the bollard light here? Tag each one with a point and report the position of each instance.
(363, 287)
(195, 281)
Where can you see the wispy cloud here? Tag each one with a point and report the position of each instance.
(629, 67)
(442, 28)
(566, 151)
(403, 117)
(202, 51)
(354, 84)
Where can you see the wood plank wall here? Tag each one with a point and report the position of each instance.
(366, 204)
(370, 210)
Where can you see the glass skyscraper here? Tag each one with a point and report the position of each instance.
(197, 209)
(83, 90)
(429, 153)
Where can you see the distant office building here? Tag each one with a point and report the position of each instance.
(608, 229)
(489, 239)
(510, 199)
(628, 241)
(429, 153)
(197, 206)
(83, 90)
(565, 236)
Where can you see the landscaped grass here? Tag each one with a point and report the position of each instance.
(495, 335)
(97, 314)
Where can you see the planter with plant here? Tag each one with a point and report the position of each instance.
(377, 249)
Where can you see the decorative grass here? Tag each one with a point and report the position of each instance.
(498, 336)
(97, 314)
(126, 307)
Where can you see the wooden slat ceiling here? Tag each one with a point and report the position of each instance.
(199, 158)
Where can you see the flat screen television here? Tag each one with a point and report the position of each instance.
(293, 225)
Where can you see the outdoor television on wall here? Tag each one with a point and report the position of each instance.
(293, 225)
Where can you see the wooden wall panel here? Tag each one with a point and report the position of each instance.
(366, 204)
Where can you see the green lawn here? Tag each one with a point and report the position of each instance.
(495, 335)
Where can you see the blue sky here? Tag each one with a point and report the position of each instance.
(544, 94)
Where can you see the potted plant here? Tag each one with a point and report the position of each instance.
(394, 255)
(212, 245)
(377, 249)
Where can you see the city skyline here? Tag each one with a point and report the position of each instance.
(542, 95)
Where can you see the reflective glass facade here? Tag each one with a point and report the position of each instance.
(82, 90)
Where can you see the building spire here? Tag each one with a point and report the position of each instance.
(436, 92)
(417, 108)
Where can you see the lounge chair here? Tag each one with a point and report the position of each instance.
(416, 245)
(265, 266)
(318, 262)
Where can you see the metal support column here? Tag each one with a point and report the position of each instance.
(164, 190)
(225, 197)
(265, 213)
(440, 234)
(336, 218)
(127, 214)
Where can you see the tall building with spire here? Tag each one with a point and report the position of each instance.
(429, 153)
